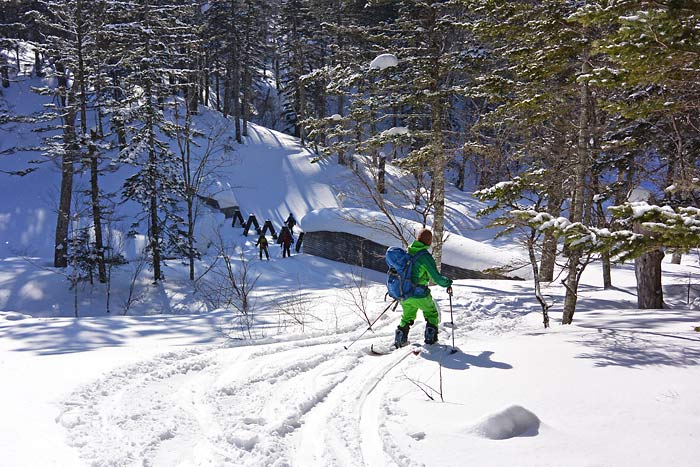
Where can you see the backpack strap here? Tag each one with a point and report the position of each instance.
(413, 260)
(417, 255)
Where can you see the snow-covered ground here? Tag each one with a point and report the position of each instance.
(618, 388)
(174, 380)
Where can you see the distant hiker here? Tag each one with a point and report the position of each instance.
(424, 269)
(285, 240)
(262, 244)
(290, 222)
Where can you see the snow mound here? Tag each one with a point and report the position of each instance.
(14, 316)
(396, 131)
(383, 62)
(509, 423)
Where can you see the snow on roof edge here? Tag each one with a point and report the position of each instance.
(373, 225)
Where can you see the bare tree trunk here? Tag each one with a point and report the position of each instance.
(276, 64)
(549, 257)
(647, 269)
(155, 233)
(37, 64)
(190, 212)
(462, 169)
(321, 101)
(97, 214)
(121, 132)
(418, 176)
(192, 94)
(217, 84)
(301, 113)
(577, 215)
(204, 77)
(5, 75)
(247, 83)
(536, 275)
(607, 270)
(381, 174)
(65, 199)
(67, 170)
(605, 256)
(228, 84)
(236, 95)
(550, 244)
(438, 191)
(154, 226)
(341, 153)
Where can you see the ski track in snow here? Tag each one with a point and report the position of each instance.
(258, 405)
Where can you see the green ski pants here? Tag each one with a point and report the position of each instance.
(412, 305)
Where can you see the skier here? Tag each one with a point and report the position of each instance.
(424, 269)
(290, 222)
(285, 240)
(262, 244)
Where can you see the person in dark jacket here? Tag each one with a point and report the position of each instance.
(424, 269)
(285, 240)
(290, 222)
(262, 244)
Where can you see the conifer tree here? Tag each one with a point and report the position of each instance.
(297, 54)
(151, 50)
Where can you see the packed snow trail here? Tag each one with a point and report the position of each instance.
(259, 405)
(308, 402)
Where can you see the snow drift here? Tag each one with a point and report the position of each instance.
(508, 423)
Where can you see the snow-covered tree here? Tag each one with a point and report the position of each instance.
(72, 41)
(152, 56)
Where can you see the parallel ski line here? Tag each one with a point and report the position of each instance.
(372, 444)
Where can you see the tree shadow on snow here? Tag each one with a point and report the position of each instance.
(69, 335)
(461, 361)
(639, 338)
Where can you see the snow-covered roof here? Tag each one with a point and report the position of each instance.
(373, 225)
(223, 194)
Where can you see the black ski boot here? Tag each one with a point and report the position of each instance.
(401, 337)
(431, 333)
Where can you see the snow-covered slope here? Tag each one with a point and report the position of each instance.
(273, 176)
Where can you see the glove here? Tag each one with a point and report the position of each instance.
(449, 290)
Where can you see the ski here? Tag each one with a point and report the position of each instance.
(381, 350)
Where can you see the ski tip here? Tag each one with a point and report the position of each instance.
(374, 351)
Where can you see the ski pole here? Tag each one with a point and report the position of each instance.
(452, 322)
(395, 303)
